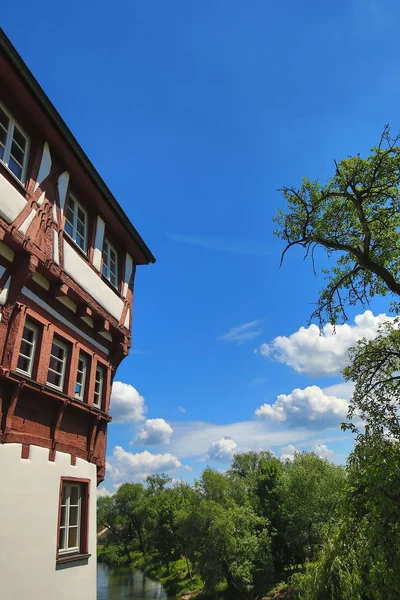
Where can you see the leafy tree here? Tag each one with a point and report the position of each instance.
(131, 505)
(312, 489)
(360, 556)
(375, 367)
(354, 217)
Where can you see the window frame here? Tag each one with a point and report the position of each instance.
(9, 140)
(85, 359)
(81, 550)
(33, 327)
(61, 344)
(75, 226)
(111, 246)
(100, 393)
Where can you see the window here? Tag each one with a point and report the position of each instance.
(58, 360)
(81, 377)
(98, 387)
(72, 536)
(76, 221)
(27, 348)
(13, 145)
(110, 263)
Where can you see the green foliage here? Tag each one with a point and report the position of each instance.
(355, 218)
(374, 367)
(311, 490)
(229, 533)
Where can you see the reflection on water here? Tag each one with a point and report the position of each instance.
(125, 583)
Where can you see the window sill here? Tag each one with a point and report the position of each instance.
(14, 179)
(69, 558)
(75, 246)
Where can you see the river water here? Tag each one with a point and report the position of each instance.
(125, 583)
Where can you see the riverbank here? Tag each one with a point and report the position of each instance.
(176, 580)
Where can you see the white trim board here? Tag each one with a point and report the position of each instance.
(29, 294)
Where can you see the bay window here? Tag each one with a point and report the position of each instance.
(110, 263)
(76, 223)
(13, 145)
(58, 363)
(98, 387)
(81, 377)
(27, 349)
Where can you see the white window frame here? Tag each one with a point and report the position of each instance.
(29, 325)
(64, 347)
(75, 223)
(100, 382)
(67, 506)
(9, 139)
(84, 359)
(107, 265)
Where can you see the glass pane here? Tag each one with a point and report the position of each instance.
(73, 516)
(28, 334)
(81, 215)
(57, 351)
(70, 210)
(54, 379)
(72, 537)
(55, 364)
(23, 364)
(17, 153)
(64, 494)
(80, 228)
(3, 136)
(105, 269)
(113, 279)
(78, 389)
(62, 516)
(4, 120)
(80, 241)
(62, 538)
(74, 495)
(15, 168)
(26, 348)
(19, 138)
(1, 151)
(68, 228)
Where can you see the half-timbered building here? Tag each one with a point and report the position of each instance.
(68, 255)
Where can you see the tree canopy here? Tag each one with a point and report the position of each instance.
(355, 219)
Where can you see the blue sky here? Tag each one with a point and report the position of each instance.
(194, 113)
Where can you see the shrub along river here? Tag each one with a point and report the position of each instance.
(125, 583)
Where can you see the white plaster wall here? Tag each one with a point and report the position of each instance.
(84, 276)
(128, 273)
(11, 201)
(98, 244)
(25, 225)
(29, 500)
(45, 165)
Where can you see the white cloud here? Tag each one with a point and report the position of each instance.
(304, 407)
(181, 409)
(193, 439)
(155, 431)
(287, 453)
(129, 466)
(126, 403)
(315, 352)
(102, 492)
(322, 450)
(222, 450)
(242, 333)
